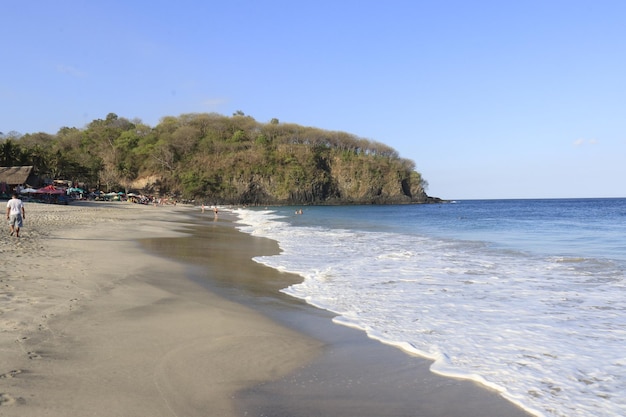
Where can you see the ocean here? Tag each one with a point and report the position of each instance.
(527, 297)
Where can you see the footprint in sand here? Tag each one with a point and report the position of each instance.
(6, 284)
(33, 355)
(6, 399)
(11, 374)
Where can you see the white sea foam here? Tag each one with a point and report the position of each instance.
(546, 332)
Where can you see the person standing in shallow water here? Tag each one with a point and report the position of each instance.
(15, 214)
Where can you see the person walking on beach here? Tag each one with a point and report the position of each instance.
(15, 214)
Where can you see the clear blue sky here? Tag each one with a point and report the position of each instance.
(491, 99)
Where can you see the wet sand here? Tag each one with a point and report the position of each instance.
(115, 309)
(353, 375)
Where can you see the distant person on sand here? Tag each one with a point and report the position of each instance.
(15, 214)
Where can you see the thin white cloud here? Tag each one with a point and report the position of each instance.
(213, 104)
(582, 142)
(74, 72)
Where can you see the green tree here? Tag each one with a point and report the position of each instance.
(10, 153)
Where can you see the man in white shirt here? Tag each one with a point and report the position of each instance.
(15, 214)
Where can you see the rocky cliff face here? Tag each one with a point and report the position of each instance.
(357, 182)
(306, 179)
(333, 182)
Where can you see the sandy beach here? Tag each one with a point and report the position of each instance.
(92, 326)
(116, 309)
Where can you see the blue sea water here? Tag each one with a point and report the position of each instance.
(527, 297)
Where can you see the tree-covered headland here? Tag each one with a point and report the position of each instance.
(220, 159)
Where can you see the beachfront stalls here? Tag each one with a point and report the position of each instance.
(51, 194)
(13, 177)
(114, 196)
(75, 193)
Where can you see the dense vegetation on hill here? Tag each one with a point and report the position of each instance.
(221, 159)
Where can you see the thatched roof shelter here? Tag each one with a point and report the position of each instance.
(14, 176)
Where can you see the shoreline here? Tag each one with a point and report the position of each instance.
(117, 309)
(345, 379)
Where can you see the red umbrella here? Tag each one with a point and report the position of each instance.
(50, 189)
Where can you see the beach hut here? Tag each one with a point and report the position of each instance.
(13, 177)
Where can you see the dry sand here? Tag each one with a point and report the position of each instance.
(92, 324)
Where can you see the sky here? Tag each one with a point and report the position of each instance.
(490, 99)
